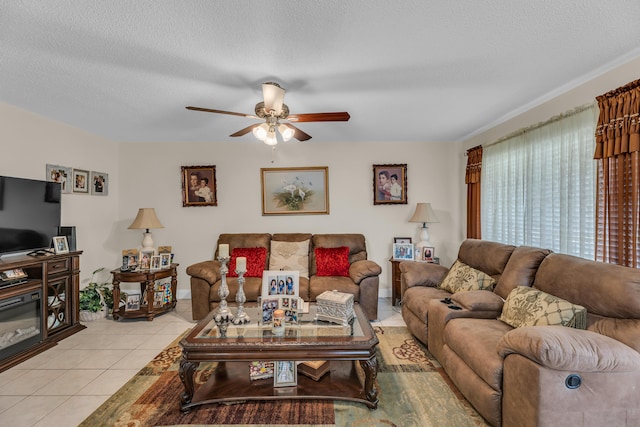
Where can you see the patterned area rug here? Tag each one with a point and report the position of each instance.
(413, 391)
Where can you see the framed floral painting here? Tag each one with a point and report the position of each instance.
(295, 191)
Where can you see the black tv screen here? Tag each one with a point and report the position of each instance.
(29, 214)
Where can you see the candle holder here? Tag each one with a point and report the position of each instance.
(241, 316)
(222, 322)
(223, 292)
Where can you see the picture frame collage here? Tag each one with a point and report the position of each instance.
(403, 249)
(281, 290)
(78, 181)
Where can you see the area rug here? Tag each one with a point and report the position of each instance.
(413, 391)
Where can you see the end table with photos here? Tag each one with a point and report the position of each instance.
(148, 305)
(396, 284)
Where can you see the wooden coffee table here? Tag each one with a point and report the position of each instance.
(345, 347)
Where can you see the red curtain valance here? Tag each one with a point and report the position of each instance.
(618, 129)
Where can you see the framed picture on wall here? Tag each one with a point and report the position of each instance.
(99, 183)
(390, 184)
(287, 191)
(80, 181)
(199, 186)
(61, 174)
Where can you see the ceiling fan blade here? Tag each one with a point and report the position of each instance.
(319, 117)
(299, 135)
(246, 130)
(208, 110)
(273, 96)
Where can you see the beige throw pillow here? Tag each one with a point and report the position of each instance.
(461, 277)
(290, 256)
(527, 306)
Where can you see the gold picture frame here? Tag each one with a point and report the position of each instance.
(390, 184)
(295, 191)
(199, 187)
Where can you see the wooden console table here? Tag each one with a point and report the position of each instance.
(147, 279)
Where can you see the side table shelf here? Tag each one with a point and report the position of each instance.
(147, 279)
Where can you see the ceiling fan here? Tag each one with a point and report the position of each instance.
(275, 114)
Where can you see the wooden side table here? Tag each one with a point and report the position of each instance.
(147, 279)
(396, 284)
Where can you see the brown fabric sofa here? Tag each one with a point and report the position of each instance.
(534, 375)
(362, 282)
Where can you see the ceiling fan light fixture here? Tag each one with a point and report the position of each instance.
(261, 132)
(271, 137)
(286, 132)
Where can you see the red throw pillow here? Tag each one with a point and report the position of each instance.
(256, 258)
(332, 261)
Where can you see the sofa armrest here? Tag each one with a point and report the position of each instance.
(421, 274)
(205, 270)
(484, 301)
(360, 270)
(568, 349)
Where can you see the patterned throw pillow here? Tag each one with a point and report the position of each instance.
(332, 261)
(290, 256)
(462, 277)
(526, 306)
(256, 258)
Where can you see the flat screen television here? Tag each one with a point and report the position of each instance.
(29, 214)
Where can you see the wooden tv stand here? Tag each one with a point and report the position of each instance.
(59, 278)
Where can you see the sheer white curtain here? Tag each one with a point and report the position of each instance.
(539, 186)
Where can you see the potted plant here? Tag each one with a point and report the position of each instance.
(96, 299)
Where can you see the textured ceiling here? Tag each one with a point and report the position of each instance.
(413, 70)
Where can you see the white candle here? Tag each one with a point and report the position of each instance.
(241, 264)
(223, 250)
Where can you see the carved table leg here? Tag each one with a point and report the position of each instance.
(186, 372)
(370, 367)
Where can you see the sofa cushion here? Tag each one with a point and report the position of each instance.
(478, 301)
(461, 277)
(531, 307)
(290, 256)
(256, 257)
(520, 269)
(332, 261)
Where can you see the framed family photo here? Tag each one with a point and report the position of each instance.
(403, 251)
(60, 245)
(62, 175)
(80, 181)
(295, 191)
(99, 183)
(402, 240)
(280, 283)
(285, 374)
(390, 184)
(199, 186)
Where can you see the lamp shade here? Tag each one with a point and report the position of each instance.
(424, 214)
(146, 219)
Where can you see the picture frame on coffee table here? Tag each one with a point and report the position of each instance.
(285, 374)
(390, 184)
(280, 283)
(295, 191)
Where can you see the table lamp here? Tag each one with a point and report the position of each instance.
(145, 220)
(425, 215)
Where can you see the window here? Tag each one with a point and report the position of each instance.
(539, 186)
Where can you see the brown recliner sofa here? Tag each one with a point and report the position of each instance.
(533, 375)
(362, 282)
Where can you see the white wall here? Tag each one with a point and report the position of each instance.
(30, 141)
(150, 177)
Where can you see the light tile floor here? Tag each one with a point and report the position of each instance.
(65, 384)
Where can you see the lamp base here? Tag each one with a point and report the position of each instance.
(147, 242)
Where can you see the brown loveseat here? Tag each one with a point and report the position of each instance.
(362, 280)
(533, 375)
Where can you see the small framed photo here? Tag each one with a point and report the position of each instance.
(80, 181)
(164, 249)
(158, 299)
(145, 259)
(280, 283)
(268, 305)
(165, 260)
(60, 245)
(61, 174)
(428, 253)
(402, 240)
(285, 374)
(199, 186)
(403, 251)
(155, 262)
(129, 259)
(99, 183)
(390, 184)
(133, 302)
